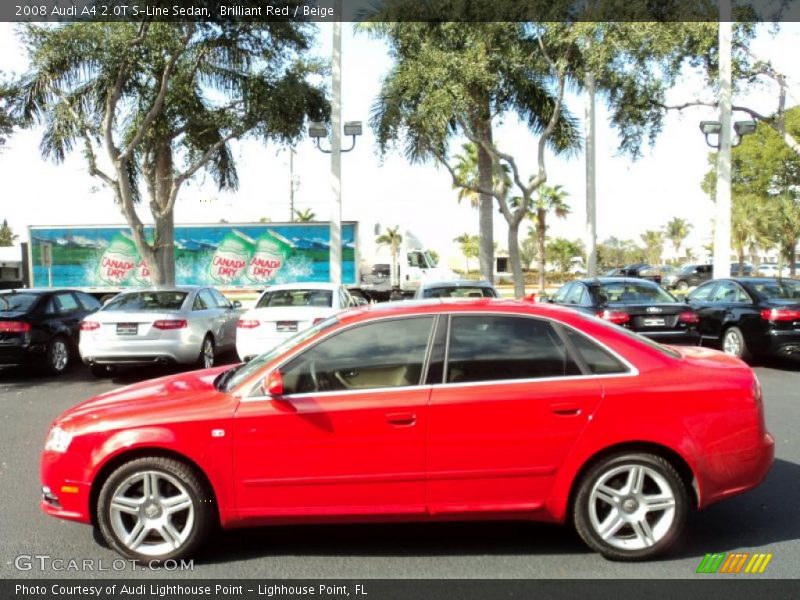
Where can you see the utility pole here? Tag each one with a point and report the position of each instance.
(722, 222)
(336, 149)
(591, 183)
(291, 184)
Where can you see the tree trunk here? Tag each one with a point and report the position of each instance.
(486, 206)
(394, 280)
(164, 218)
(740, 254)
(514, 259)
(540, 234)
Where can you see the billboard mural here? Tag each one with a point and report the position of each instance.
(221, 255)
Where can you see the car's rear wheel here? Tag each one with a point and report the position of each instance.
(154, 508)
(682, 286)
(630, 506)
(207, 353)
(58, 355)
(733, 343)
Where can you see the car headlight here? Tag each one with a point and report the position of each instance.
(58, 440)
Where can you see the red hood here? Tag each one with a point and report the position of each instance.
(186, 396)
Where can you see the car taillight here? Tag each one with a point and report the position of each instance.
(170, 324)
(689, 317)
(614, 316)
(89, 325)
(248, 324)
(780, 314)
(14, 327)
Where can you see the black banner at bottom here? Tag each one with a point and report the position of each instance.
(390, 589)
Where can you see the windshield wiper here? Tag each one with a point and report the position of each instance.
(223, 378)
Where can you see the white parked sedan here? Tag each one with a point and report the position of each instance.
(283, 310)
(184, 324)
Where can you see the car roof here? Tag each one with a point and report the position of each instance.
(165, 288)
(311, 285)
(37, 290)
(604, 280)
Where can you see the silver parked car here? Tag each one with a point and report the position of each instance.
(184, 325)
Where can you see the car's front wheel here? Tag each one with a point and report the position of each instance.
(155, 508)
(630, 506)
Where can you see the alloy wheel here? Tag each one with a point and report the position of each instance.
(152, 513)
(59, 355)
(732, 344)
(208, 353)
(631, 507)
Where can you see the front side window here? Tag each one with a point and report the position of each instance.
(703, 293)
(491, 348)
(376, 355)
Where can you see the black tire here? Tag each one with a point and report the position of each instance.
(58, 355)
(202, 361)
(192, 531)
(682, 285)
(732, 342)
(664, 525)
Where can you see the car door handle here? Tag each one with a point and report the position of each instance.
(566, 410)
(403, 419)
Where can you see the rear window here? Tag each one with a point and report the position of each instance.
(634, 292)
(321, 298)
(459, 292)
(147, 301)
(17, 302)
(780, 289)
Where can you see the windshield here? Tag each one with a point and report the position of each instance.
(634, 292)
(233, 377)
(459, 292)
(780, 289)
(321, 298)
(13, 302)
(146, 301)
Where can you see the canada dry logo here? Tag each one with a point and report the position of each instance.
(734, 562)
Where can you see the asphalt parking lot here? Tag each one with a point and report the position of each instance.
(764, 520)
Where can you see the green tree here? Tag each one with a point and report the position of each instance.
(305, 216)
(653, 246)
(469, 246)
(392, 238)
(561, 251)
(676, 231)
(6, 120)
(163, 101)
(529, 248)
(549, 200)
(7, 237)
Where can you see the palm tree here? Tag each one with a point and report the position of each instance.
(551, 199)
(653, 245)
(469, 246)
(676, 231)
(392, 238)
(305, 216)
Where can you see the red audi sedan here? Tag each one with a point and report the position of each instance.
(432, 410)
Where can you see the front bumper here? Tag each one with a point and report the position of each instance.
(64, 492)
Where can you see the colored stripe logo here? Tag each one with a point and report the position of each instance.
(734, 563)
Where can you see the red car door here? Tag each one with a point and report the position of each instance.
(348, 435)
(513, 403)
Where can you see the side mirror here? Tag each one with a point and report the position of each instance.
(272, 385)
(237, 304)
(532, 298)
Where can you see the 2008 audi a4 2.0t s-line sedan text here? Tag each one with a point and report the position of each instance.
(430, 410)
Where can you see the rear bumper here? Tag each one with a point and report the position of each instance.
(732, 473)
(784, 344)
(247, 347)
(112, 352)
(673, 337)
(20, 354)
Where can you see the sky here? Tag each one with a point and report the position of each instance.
(632, 196)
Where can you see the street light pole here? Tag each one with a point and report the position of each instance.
(722, 222)
(591, 197)
(336, 150)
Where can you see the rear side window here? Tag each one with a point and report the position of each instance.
(493, 348)
(88, 302)
(599, 360)
(66, 303)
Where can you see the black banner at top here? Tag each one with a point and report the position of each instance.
(395, 10)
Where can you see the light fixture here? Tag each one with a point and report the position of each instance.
(352, 128)
(714, 128)
(743, 128)
(317, 131)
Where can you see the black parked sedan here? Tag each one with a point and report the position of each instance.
(41, 327)
(637, 304)
(750, 316)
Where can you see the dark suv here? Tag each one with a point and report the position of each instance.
(688, 276)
